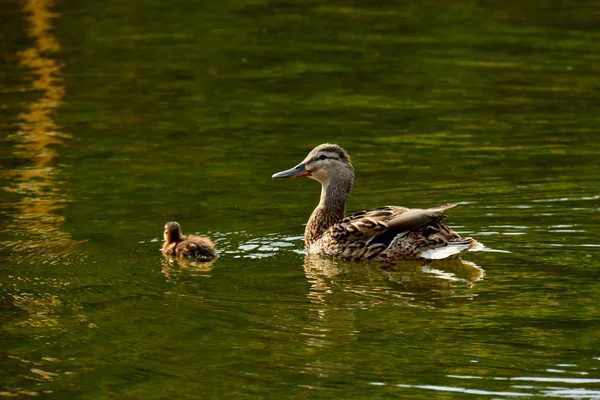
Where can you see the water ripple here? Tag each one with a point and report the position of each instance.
(560, 199)
(465, 390)
(532, 389)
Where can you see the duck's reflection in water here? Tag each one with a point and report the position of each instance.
(175, 268)
(371, 278)
(340, 291)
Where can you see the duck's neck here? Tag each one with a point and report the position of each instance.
(331, 209)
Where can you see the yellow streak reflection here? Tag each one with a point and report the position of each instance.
(38, 138)
(35, 218)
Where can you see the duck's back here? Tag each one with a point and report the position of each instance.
(197, 247)
(393, 234)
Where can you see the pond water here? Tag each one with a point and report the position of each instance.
(117, 117)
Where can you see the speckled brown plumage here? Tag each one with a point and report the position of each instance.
(186, 246)
(388, 233)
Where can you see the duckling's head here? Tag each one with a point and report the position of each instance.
(325, 163)
(172, 232)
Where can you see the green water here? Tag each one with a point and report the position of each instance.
(116, 117)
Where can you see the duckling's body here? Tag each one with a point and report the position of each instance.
(388, 233)
(186, 246)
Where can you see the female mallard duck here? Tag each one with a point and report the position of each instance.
(186, 246)
(387, 233)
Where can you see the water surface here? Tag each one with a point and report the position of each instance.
(118, 117)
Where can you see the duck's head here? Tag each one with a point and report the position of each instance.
(325, 163)
(172, 232)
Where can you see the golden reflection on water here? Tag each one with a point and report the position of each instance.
(36, 218)
(36, 225)
(40, 310)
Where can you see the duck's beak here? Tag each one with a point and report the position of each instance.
(299, 171)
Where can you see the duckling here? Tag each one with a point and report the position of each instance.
(186, 246)
(389, 233)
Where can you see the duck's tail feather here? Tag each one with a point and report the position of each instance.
(452, 249)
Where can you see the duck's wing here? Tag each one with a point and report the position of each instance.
(368, 234)
(414, 219)
(379, 226)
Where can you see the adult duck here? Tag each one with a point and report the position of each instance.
(387, 233)
(186, 246)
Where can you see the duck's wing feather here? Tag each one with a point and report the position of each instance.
(382, 225)
(413, 219)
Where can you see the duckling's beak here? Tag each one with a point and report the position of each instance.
(299, 171)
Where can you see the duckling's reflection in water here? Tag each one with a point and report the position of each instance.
(175, 268)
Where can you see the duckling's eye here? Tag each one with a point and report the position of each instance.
(322, 157)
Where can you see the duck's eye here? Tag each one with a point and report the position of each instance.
(322, 157)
